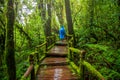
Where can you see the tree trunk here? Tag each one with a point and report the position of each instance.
(69, 19)
(48, 24)
(91, 9)
(9, 43)
(2, 34)
(119, 11)
(2, 47)
(118, 42)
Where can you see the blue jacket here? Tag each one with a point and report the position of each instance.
(62, 33)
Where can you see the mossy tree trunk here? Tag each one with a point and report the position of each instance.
(43, 11)
(48, 24)
(119, 11)
(2, 32)
(118, 42)
(9, 43)
(69, 19)
(59, 10)
(91, 11)
(2, 47)
(2, 39)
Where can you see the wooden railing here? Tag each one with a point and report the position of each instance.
(36, 57)
(30, 73)
(70, 40)
(50, 41)
(77, 61)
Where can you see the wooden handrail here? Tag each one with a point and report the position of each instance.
(27, 73)
(69, 35)
(50, 40)
(34, 57)
(70, 40)
(41, 45)
(74, 49)
(82, 64)
(93, 70)
(30, 69)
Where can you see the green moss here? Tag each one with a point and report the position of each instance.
(75, 67)
(92, 70)
(74, 50)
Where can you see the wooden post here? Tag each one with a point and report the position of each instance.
(71, 56)
(54, 38)
(82, 57)
(31, 60)
(50, 40)
(37, 56)
(33, 74)
(70, 52)
(46, 44)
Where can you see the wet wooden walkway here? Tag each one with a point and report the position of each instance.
(55, 65)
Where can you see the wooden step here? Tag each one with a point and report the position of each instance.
(57, 55)
(61, 43)
(53, 61)
(55, 73)
(55, 65)
(58, 51)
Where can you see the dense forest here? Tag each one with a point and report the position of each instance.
(95, 24)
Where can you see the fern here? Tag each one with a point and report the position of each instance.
(97, 46)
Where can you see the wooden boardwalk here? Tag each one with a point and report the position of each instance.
(55, 65)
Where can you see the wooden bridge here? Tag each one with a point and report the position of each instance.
(56, 60)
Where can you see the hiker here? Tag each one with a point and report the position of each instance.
(62, 33)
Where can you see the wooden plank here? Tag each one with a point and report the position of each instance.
(55, 65)
(60, 50)
(55, 73)
(52, 61)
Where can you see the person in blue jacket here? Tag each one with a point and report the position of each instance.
(62, 33)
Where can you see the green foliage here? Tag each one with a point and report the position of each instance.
(22, 61)
(100, 38)
(110, 74)
(97, 46)
(104, 57)
(3, 75)
(23, 78)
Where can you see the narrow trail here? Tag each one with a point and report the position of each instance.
(55, 65)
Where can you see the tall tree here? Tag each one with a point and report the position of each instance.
(48, 24)
(43, 11)
(69, 19)
(59, 6)
(119, 11)
(9, 43)
(2, 32)
(91, 11)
